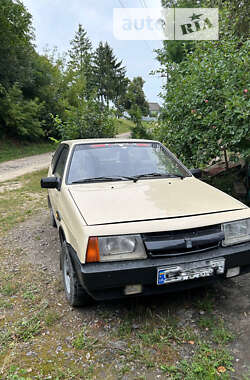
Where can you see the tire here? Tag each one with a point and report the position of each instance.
(52, 218)
(75, 294)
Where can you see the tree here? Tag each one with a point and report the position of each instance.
(80, 52)
(135, 97)
(234, 17)
(48, 83)
(206, 105)
(206, 96)
(88, 120)
(16, 43)
(21, 117)
(80, 62)
(136, 105)
(237, 19)
(34, 87)
(109, 74)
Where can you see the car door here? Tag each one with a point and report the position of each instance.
(58, 170)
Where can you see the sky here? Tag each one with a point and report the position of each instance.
(56, 21)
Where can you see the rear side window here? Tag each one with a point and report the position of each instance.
(61, 162)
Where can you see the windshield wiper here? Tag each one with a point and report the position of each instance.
(97, 179)
(123, 178)
(176, 175)
(166, 175)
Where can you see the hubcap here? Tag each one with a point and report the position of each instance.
(66, 274)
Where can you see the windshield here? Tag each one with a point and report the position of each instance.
(116, 161)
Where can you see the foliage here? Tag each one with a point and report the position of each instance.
(11, 149)
(30, 85)
(88, 120)
(20, 116)
(134, 97)
(237, 19)
(234, 19)
(206, 99)
(135, 104)
(123, 126)
(16, 36)
(80, 60)
(80, 52)
(108, 74)
(78, 89)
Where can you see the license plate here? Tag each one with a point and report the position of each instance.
(190, 271)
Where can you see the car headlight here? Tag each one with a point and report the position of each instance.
(236, 232)
(124, 247)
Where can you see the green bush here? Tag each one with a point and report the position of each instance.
(20, 117)
(207, 102)
(88, 120)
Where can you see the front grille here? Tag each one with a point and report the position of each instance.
(176, 243)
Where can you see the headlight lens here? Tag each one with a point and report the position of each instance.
(125, 247)
(236, 232)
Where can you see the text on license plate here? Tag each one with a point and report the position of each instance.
(190, 271)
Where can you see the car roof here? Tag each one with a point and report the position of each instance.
(99, 140)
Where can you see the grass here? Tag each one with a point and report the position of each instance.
(146, 338)
(123, 125)
(207, 363)
(51, 318)
(25, 200)
(84, 342)
(221, 335)
(30, 292)
(11, 149)
(9, 289)
(27, 328)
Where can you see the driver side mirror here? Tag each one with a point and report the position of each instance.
(50, 183)
(197, 173)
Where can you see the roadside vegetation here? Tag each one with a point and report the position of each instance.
(78, 94)
(20, 199)
(123, 125)
(206, 97)
(126, 125)
(13, 149)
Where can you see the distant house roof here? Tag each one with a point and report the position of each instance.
(154, 107)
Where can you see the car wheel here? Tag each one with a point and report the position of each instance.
(75, 293)
(52, 218)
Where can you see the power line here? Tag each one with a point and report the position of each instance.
(144, 5)
(144, 2)
(121, 4)
(145, 42)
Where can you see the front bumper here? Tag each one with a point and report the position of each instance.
(108, 280)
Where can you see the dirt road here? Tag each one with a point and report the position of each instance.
(15, 168)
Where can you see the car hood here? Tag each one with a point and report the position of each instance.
(128, 201)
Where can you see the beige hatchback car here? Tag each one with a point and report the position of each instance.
(132, 220)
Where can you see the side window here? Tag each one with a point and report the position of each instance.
(55, 156)
(60, 165)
